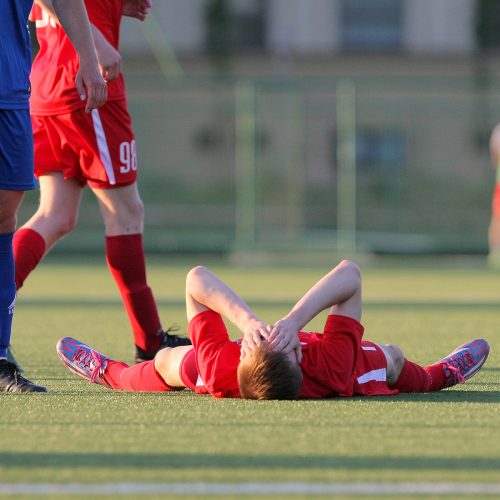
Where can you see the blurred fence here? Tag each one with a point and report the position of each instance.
(370, 164)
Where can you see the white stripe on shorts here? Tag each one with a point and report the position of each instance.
(102, 144)
(368, 348)
(375, 375)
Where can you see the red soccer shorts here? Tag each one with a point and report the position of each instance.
(97, 148)
(371, 372)
(188, 371)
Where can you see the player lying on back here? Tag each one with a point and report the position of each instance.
(280, 361)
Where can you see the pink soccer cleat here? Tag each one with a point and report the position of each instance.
(465, 361)
(82, 360)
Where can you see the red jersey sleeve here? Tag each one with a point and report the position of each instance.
(329, 362)
(217, 357)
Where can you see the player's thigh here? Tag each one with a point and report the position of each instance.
(58, 194)
(168, 363)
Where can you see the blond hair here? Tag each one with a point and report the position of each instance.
(266, 374)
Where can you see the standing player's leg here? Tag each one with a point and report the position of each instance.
(9, 203)
(16, 176)
(123, 214)
(55, 217)
(112, 175)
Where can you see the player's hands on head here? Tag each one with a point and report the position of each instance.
(91, 86)
(284, 336)
(137, 8)
(254, 334)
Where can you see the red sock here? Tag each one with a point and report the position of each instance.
(413, 378)
(29, 248)
(125, 257)
(113, 373)
(140, 377)
(438, 378)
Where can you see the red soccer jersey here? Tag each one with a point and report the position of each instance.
(56, 64)
(217, 357)
(334, 363)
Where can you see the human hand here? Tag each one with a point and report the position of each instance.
(284, 336)
(254, 334)
(91, 86)
(137, 8)
(109, 59)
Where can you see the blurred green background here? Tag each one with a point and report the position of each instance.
(359, 125)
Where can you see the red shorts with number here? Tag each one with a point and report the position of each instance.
(97, 148)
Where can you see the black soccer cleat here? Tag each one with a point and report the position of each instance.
(169, 340)
(11, 379)
(12, 359)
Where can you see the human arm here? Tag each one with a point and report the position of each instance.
(340, 289)
(109, 59)
(206, 291)
(137, 8)
(72, 16)
(495, 146)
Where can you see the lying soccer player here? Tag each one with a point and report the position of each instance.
(279, 362)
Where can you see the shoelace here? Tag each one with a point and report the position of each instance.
(17, 374)
(91, 360)
(465, 361)
(20, 380)
(457, 373)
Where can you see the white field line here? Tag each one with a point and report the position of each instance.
(255, 488)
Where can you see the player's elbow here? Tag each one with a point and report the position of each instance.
(351, 269)
(195, 277)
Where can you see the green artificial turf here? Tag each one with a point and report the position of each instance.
(80, 432)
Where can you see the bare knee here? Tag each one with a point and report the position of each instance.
(123, 218)
(137, 209)
(162, 361)
(8, 224)
(63, 224)
(168, 364)
(397, 357)
(132, 209)
(9, 204)
(395, 362)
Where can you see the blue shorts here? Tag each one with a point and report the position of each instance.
(16, 150)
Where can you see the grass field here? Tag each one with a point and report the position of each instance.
(83, 433)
